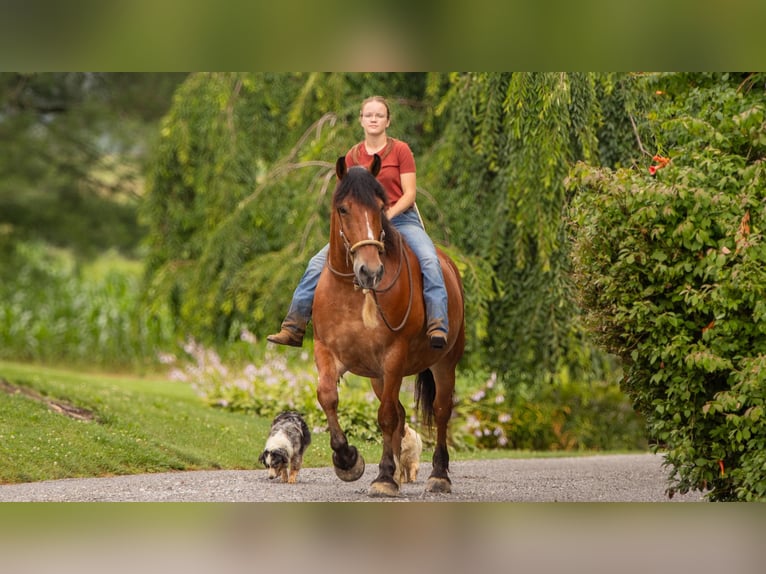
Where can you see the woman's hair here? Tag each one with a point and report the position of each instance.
(379, 99)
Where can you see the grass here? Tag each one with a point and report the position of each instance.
(141, 425)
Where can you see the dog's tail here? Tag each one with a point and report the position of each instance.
(425, 393)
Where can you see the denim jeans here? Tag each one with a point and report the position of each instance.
(434, 292)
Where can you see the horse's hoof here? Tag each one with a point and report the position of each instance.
(353, 473)
(383, 490)
(438, 485)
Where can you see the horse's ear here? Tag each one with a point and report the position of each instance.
(375, 166)
(340, 167)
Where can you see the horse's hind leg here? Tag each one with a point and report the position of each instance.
(348, 463)
(439, 480)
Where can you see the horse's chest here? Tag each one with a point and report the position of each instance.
(358, 352)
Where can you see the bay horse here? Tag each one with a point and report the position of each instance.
(369, 319)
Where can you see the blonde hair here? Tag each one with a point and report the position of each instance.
(379, 99)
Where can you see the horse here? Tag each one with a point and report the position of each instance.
(369, 319)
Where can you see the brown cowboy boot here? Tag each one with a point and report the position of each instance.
(437, 335)
(291, 333)
(287, 336)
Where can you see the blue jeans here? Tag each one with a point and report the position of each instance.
(434, 292)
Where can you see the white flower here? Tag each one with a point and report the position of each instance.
(178, 375)
(248, 337)
(166, 358)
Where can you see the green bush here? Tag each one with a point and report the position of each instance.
(561, 416)
(262, 381)
(672, 269)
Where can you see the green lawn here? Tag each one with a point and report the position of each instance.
(141, 425)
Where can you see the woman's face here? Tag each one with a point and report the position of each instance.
(374, 118)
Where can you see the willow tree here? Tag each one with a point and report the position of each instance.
(509, 143)
(238, 196)
(238, 189)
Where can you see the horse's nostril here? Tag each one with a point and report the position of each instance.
(368, 277)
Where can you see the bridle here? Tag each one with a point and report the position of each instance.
(351, 249)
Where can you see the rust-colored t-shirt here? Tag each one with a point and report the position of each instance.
(396, 159)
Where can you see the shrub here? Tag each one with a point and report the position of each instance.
(561, 414)
(564, 416)
(265, 383)
(672, 269)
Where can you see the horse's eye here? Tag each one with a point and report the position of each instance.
(342, 210)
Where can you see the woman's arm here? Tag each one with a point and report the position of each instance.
(407, 200)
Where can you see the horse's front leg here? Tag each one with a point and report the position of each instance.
(391, 421)
(348, 463)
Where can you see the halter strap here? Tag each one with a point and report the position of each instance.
(379, 244)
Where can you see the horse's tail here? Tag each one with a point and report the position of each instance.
(425, 393)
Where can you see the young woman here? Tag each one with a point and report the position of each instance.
(397, 176)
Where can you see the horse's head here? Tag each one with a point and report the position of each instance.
(359, 204)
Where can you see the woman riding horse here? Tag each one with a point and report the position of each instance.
(397, 175)
(370, 319)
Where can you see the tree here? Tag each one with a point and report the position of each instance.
(672, 268)
(79, 142)
(507, 149)
(238, 188)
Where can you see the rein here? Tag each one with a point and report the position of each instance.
(402, 256)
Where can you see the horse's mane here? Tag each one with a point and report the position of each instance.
(359, 184)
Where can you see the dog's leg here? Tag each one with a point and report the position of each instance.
(295, 466)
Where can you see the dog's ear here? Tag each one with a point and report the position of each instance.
(262, 458)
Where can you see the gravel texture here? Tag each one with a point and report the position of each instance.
(608, 478)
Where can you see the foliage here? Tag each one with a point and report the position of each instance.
(622, 118)
(672, 270)
(239, 186)
(507, 148)
(73, 173)
(563, 416)
(53, 310)
(267, 385)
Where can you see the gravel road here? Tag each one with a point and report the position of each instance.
(608, 478)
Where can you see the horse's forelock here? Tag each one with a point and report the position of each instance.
(359, 184)
(362, 186)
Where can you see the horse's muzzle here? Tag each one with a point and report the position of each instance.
(368, 276)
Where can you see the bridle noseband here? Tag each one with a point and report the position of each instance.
(351, 249)
(379, 244)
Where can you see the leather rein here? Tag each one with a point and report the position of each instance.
(351, 249)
